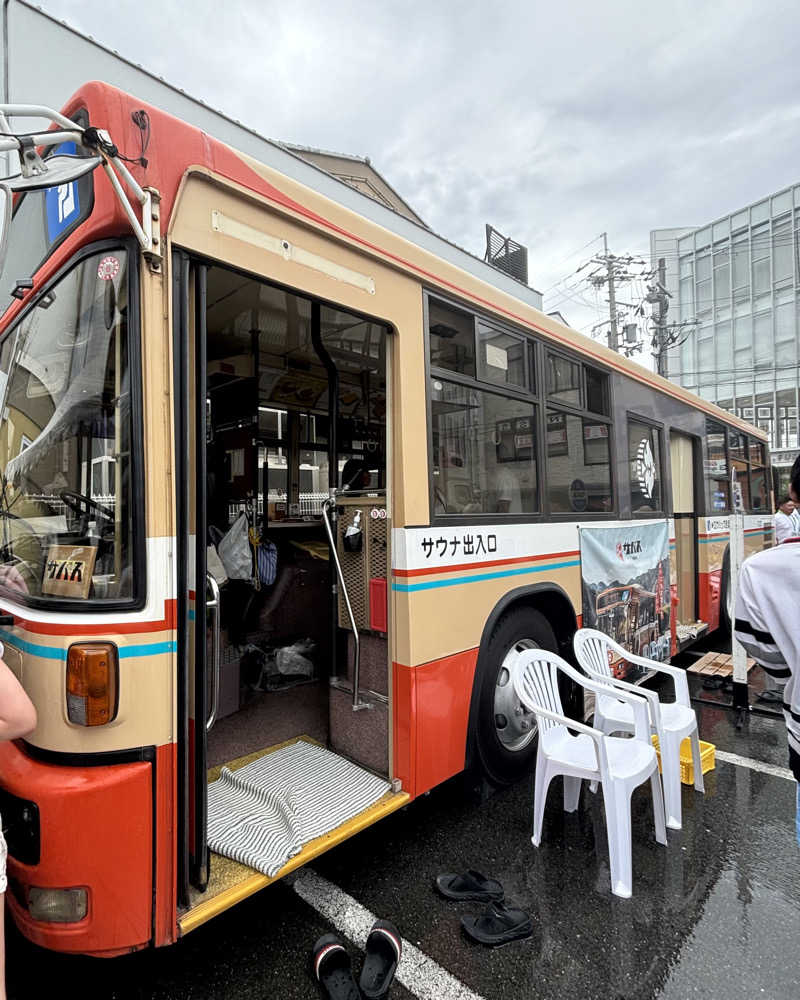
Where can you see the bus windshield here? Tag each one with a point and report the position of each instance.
(66, 508)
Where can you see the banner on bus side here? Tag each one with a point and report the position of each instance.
(625, 585)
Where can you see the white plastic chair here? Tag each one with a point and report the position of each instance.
(672, 722)
(620, 764)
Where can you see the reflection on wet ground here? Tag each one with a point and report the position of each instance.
(715, 914)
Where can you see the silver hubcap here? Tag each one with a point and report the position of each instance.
(515, 727)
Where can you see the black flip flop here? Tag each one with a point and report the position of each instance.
(471, 885)
(498, 925)
(333, 970)
(382, 956)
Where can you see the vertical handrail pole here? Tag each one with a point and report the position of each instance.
(358, 704)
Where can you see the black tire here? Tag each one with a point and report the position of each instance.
(724, 594)
(502, 763)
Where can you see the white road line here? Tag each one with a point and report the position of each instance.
(754, 765)
(425, 978)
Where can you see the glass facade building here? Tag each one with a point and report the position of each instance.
(736, 283)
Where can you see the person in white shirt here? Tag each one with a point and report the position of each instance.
(768, 625)
(786, 521)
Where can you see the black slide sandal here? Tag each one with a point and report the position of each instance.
(471, 886)
(383, 950)
(498, 925)
(332, 969)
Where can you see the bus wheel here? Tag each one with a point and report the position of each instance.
(506, 733)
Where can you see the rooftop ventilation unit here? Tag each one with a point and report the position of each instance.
(506, 254)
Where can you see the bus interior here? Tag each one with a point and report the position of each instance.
(268, 447)
(281, 371)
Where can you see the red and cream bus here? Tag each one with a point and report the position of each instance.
(282, 470)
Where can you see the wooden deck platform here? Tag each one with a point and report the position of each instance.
(720, 664)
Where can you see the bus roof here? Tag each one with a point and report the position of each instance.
(179, 148)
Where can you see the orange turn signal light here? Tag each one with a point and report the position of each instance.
(92, 683)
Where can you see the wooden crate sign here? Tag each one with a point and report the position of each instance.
(68, 570)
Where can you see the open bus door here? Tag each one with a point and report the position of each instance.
(197, 595)
(280, 422)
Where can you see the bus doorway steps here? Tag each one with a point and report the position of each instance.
(360, 736)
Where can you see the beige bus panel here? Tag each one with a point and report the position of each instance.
(397, 300)
(156, 404)
(422, 615)
(144, 717)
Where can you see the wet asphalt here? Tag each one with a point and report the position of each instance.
(716, 914)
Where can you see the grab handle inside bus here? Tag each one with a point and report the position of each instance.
(213, 612)
(358, 704)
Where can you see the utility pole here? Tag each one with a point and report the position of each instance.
(665, 335)
(612, 270)
(612, 300)
(660, 318)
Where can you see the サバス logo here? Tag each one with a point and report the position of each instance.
(629, 548)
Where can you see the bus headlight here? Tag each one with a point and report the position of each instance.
(58, 906)
(92, 683)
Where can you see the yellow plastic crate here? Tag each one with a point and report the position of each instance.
(707, 751)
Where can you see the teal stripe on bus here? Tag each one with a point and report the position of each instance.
(407, 588)
(726, 535)
(60, 653)
(47, 652)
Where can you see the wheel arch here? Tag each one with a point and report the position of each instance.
(549, 599)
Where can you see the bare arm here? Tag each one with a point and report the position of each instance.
(17, 714)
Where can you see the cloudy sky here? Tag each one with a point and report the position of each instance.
(554, 122)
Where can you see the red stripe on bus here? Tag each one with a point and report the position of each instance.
(480, 565)
(167, 623)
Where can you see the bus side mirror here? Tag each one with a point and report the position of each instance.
(6, 205)
(51, 172)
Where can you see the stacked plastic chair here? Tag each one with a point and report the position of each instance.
(671, 722)
(583, 753)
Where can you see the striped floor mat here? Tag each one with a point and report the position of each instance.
(263, 814)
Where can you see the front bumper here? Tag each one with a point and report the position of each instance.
(95, 831)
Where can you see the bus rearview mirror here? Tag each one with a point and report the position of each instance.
(60, 170)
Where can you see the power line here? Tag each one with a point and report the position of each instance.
(569, 257)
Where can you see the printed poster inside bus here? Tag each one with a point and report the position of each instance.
(625, 584)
